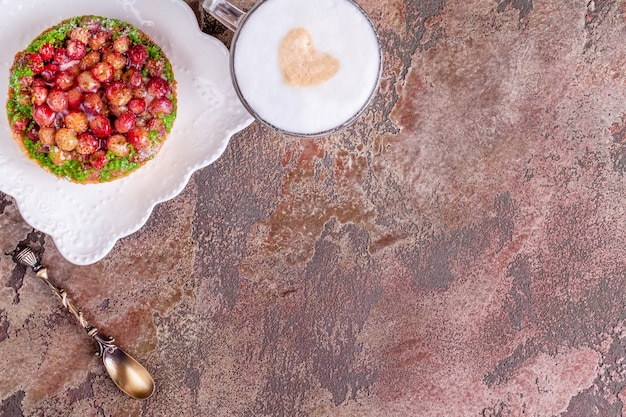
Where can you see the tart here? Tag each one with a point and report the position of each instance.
(91, 99)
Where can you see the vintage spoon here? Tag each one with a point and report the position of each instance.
(128, 374)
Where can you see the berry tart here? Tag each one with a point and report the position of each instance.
(91, 99)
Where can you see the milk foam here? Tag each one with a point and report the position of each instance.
(337, 28)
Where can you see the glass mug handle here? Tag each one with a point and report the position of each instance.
(225, 12)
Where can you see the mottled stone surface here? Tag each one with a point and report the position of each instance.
(459, 251)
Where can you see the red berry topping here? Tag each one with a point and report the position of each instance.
(93, 25)
(57, 100)
(133, 78)
(43, 115)
(96, 96)
(125, 122)
(118, 94)
(87, 143)
(80, 34)
(137, 105)
(158, 87)
(155, 67)
(76, 49)
(91, 59)
(157, 125)
(87, 83)
(47, 51)
(34, 62)
(161, 106)
(92, 103)
(98, 159)
(77, 121)
(138, 54)
(74, 98)
(49, 72)
(64, 80)
(39, 94)
(102, 72)
(100, 126)
(118, 145)
(98, 40)
(60, 56)
(138, 137)
(33, 133)
(121, 44)
(117, 60)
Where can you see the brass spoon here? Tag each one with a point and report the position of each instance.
(128, 374)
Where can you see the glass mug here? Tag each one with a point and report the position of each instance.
(302, 67)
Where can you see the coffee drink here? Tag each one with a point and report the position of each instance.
(306, 67)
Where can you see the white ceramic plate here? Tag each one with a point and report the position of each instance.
(85, 221)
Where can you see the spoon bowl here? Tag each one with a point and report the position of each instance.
(128, 374)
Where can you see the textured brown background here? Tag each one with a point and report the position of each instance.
(457, 252)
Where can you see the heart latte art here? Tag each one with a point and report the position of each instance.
(305, 67)
(301, 64)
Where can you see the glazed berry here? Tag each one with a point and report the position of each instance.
(140, 92)
(161, 106)
(138, 54)
(125, 122)
(121, 44)
(77, 121)
(91, 59)
(137, 105)
(118, 145)
(97, 40)
(19, 125)
(155, 67)
(50, 72)
(47, 51)
(26, 81)
(133, 78)
(64, 80)
(46, 135)
(92, 103)
(76, 50)
(87, 83)
(87, 144)
(57, 100)
(34, 62)
(117, 60)
(80, 34)
(33, 133)
(43, 115)
(118, 94)
(102, 72)
(100, 126)
(66, 139)
(74, 98)
(138, 137)
(39, 95)
(60, 56)
(98, 159)
(92, 24)
(158, 87)
(157, 125)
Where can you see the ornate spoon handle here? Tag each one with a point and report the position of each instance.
(128, 374)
